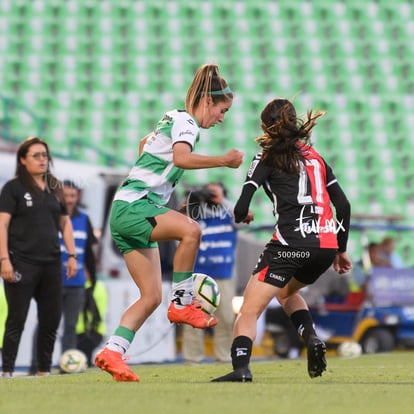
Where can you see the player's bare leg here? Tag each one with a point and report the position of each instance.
(183, 307)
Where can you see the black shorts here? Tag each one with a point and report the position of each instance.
(278, 264)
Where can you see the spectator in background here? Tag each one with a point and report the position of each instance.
(376, 257)
(32, 212)
(91, 327)
(73, 298)
(371, 257)
(214, 213)
(383, 254)
(389, 254)
(74, 288)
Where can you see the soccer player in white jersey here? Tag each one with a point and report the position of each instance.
(139, 218)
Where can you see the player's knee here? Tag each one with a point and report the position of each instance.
(154, 301)
(282, 296)
(193, 233)
(151, 297)
(157, 297)
(157, 302)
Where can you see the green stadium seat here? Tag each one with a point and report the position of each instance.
(105, 72)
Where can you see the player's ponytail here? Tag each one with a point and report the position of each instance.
(282, 132)
(207, 82)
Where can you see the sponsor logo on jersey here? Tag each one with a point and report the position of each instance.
(252, 167)
(187, 132)
(308, 225)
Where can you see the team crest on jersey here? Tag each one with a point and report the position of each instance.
(166, 118)
(29, 200)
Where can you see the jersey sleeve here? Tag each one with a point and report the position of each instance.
(330, 176)
(184, 130)
(8, 201)
(256, 176)
(258, 172)
(342, 208)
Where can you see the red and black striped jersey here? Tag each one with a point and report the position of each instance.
(301, 202)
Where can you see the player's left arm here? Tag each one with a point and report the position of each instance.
(343, 213)
(342, 262)
(342, 207)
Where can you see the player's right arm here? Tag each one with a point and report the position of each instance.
(184, 158)
(256, 176)
(184, 133)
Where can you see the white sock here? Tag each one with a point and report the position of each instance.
(118, 344)
(183, 292)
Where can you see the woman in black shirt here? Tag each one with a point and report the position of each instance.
(32, 213)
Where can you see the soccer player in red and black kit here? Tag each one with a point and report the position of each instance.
(308, 237)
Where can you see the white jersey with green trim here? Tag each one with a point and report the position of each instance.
(154, 174)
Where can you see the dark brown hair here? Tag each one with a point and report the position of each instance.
(53, 185)
(283, 130)
(207, 82)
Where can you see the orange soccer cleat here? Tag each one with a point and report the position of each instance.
(192, 315)
(112, 362)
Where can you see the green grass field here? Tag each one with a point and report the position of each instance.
(371, 384)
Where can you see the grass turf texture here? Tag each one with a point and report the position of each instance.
(377, 384)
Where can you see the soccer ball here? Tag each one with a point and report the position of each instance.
(73, 361)
(207, 292)
(349, 349)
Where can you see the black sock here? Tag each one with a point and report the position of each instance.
(241, 351)
(303, 322)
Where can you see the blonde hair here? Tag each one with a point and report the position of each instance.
(207, 82)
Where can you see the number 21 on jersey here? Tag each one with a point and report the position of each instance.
(310, 172)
